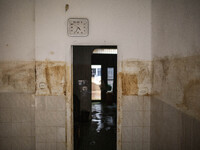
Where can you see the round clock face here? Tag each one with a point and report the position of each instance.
(78, 27)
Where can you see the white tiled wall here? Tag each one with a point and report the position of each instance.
(28, 122)
(17, 121)
(172, 129)
(50, 123)
(136, 123)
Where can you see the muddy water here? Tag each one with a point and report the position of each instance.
(100, 132)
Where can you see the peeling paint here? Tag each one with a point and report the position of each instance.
(17, 77)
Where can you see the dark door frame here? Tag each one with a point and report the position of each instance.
(91, 47)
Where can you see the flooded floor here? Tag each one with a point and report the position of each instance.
(100, 132)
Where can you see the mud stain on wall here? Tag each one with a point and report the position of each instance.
(17, 77)
(176, 81)
(192, 96)
(69, 108)
(48, 83)
(134, 81)
(129, 84)
(119, 112)
(68, 80)
(50, 78)
(136, 77)
(165, 67)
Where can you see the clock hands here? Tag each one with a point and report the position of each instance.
(78, 28)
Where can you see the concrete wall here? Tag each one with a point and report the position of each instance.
(126, 24)
(36, 61)
(35, 70)
(175, 115)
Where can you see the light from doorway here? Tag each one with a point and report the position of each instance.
(96, 82)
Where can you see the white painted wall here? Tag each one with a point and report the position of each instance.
(124, 23)
(175, 28)
(36, 29)
(51, 34)
(17, 30)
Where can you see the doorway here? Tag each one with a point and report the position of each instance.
(95, 97)
(96, 82)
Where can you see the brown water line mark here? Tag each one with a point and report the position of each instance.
(68, 80)
(47, 77)
(21, 66)
(6, 79)
(18, 76)
(35, 71)
(147, 94)
(65, 78)
(165, 65)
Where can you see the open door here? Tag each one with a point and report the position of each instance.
(94, 99)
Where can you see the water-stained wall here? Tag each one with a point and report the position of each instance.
(135, 77)
(35, 71)
(17, 75)
(50, 78)
(33, 99)
(176, 82)
(50, 109)
(36, 64)
(134, 89)
(175, 115)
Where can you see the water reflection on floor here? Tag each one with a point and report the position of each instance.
(100, 132)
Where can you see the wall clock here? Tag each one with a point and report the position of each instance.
(78, 27)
